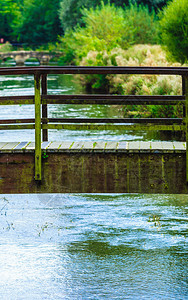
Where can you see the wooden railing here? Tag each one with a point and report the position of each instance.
(41, 100)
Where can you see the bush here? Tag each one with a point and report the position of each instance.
(106, 28)
(144, 24)
(71, 10)
(137, 55)
(174, 29)
(6, 47)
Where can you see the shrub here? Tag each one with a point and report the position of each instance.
(6, 47)
(108, 27)
(174, 29)
(137, 55)
(144, 24)
(71, 10)
(104, 30)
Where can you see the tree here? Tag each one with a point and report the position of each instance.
(39, 23)
(143, 22)
(107, 27)
(174, 29)
(9, 17)
(71, 10)
(151, 4)
(104, 29)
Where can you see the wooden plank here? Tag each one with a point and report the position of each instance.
(111, 145)
(179, 146)
(99, 145)
(93, 70)
(21, 145)
(145, 146)
(156, 146)
(165, 121)
(45, 145)
(17, 127)
(15, 121)
(13, 100)
(88, 145)
(54, 145)
(144, 127)
(114, 99)
(134, 146)
(65, 145)
(122, 146)
(168, 146)
(10, 145)
(77, 145)
(30, 146)
(2, 144)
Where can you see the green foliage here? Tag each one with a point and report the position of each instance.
(9, 17)
(143, 22)
(152, 4)
(71, 10)
(6, 47)
(108, 27)
(174, 29)
(137, 55)
(104, 29)
(39, 22)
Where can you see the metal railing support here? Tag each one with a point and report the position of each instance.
(44, 107)
(186, 121)
(38, 168)
(183, 93)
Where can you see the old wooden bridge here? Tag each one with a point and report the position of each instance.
(99, 167)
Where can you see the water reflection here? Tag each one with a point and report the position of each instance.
(93, 246)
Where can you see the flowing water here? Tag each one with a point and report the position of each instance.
(93, 247)
(80, 246)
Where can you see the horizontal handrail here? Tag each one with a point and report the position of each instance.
(93, 70)
(41, 99)
(97, 120)
(96, 99)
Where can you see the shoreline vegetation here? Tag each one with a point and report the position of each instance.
(125, 35)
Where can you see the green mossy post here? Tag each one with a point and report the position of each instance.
(38, 175)
(186, 118)
(44, 107)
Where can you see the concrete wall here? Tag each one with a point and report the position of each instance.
(94, 173)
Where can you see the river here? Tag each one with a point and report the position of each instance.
(88, 246)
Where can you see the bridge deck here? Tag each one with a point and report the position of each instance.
(99, 146)
(94, 167)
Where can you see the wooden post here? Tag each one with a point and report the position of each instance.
(186, 121)
(183, 93)
(44, 108)
(38, 175)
